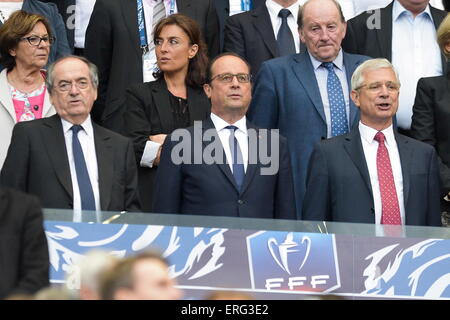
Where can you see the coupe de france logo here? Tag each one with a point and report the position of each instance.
(293, 261)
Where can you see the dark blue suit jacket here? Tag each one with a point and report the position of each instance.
(339, 188)
(286, 96)
(203, 189)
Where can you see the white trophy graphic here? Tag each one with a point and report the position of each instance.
(286, 248)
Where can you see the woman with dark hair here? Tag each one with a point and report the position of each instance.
(25, 41)
(175, 100)
(431, 114)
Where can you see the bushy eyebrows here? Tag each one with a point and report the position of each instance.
(78, 79)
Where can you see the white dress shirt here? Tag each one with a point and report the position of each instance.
(86, 138)
(83, 13)
(415, 54)
(240, 134)
(322, 76)
(7, 8)
(235, 7)
(370, 147)
(274, 9)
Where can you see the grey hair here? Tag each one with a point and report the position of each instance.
(369, 65)
(93, 72)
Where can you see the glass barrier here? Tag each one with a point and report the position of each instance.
(270, 259)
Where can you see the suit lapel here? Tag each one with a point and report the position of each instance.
(406, 152)
(105, 163)
(4, 203)
(53, 134)
(129, 12)
(384, 34)
(5, 97)
(353, 147)
(162, 104)
(223, 166)
(350, 66)
(303, 70)
(262, 23)
(437, 20)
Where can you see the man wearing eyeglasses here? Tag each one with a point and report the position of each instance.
(374, 174)
(66, 160)
(218, 167)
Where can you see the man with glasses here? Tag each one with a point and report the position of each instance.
(374, 174)
(66, 160)
(225, 166)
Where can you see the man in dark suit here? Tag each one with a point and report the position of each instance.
(66, 160)
(113, 44)
(374, 174)
(291, 93)
(227, 177)
(404, 32)
(24, 262)
(257, 36)
(223, 12)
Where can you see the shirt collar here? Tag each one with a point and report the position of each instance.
(338, 62)
(368, 133)
(220, 124)
(274, 8)
(87, 126)
(399, 10)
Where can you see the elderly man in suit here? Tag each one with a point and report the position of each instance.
(306, 95)
(264, 33)
(119, 40)
(66, 160)
(404, 32)
(229, 176)
(374, 174)
(23, 245)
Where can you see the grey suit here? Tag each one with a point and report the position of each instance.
(37, 163)
(339, 188)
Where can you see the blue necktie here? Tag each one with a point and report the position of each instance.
(285, 39)
(236, 155)
(339, 124)
(84, 183)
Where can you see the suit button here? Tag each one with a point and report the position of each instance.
(322, 138)
(240, 201)
(372, 210)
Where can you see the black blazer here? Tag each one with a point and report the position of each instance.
(112, 43)
(377, 42)
(149, 113)
(338, 184)
(250, 34)
(210, 189)
(223, 12)
(24, 258)
(431, 121)
(37, 163)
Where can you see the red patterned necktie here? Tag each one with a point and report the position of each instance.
(389, 200)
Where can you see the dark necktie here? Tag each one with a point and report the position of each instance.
(339, 124)
(389, 201)
(84, 183)
(236, 156)
(285, 39)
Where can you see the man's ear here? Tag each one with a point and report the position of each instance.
(207, 89)
(355, 97)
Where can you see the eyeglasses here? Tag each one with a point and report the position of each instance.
(67, 86)
(228, 77)
(36, 41)
(377, 86)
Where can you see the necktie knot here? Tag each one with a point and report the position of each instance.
(234, 128)
(329, 66)
(284, 13)
(379, 137)
(76, 128)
